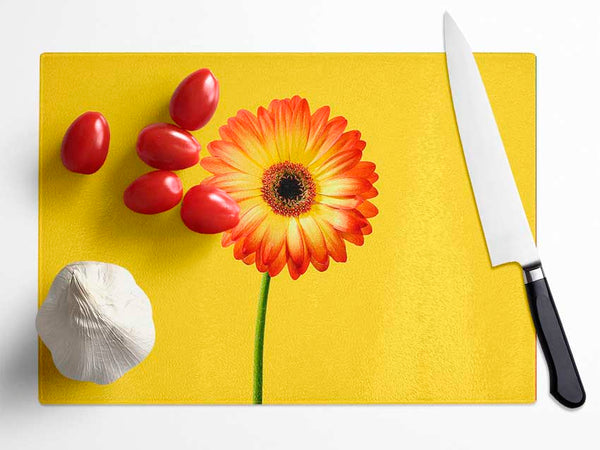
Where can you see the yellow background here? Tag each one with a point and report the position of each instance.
(416, 315)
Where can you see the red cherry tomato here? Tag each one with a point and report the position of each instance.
(154, 192)
(194, 101)
(207, 209)
(165, 146)
(85, 145)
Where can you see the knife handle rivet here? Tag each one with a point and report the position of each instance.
(531, 274)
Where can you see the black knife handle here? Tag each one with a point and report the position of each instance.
(565, 383)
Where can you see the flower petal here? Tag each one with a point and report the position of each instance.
(370, 193)
(300, 129)
(327, 138)
(235, 181)
(373, 178)
(253, 239)
(346, 220)
(318, 122)
(281, 112)
(363, 169)
(333, 241)
(296, 270)
(341, 186)
(233, 155)
(260, 265)
(356, 239)
(226, 240)
(249, 221)
(367, 229)
(295, 100)
(314, 239)
(244, 131)
(348, 202)
(321, 267)
(250, 259)
(246, 194)
(338, 164)
(216, 165)
(274, 238)
(295, 242)
(238, 249)
(347, 141)
(368, 209)
(267, 128)
(279, 263)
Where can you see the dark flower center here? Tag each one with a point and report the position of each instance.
(288, 188)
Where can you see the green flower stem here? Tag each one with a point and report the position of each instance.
(259, 338)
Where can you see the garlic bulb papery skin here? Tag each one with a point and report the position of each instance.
(96, 321)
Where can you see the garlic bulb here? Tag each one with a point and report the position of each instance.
(96, 321)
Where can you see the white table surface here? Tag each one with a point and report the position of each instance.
(566, 38)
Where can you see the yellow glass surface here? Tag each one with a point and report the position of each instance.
(416, 315)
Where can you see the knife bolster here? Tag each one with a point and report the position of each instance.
(533, 273)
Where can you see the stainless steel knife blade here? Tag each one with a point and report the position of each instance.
(501, 213)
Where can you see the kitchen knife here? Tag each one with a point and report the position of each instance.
(507, 233)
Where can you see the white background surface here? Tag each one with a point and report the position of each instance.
(566, 38)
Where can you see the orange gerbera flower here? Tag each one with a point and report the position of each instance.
(300, 184)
